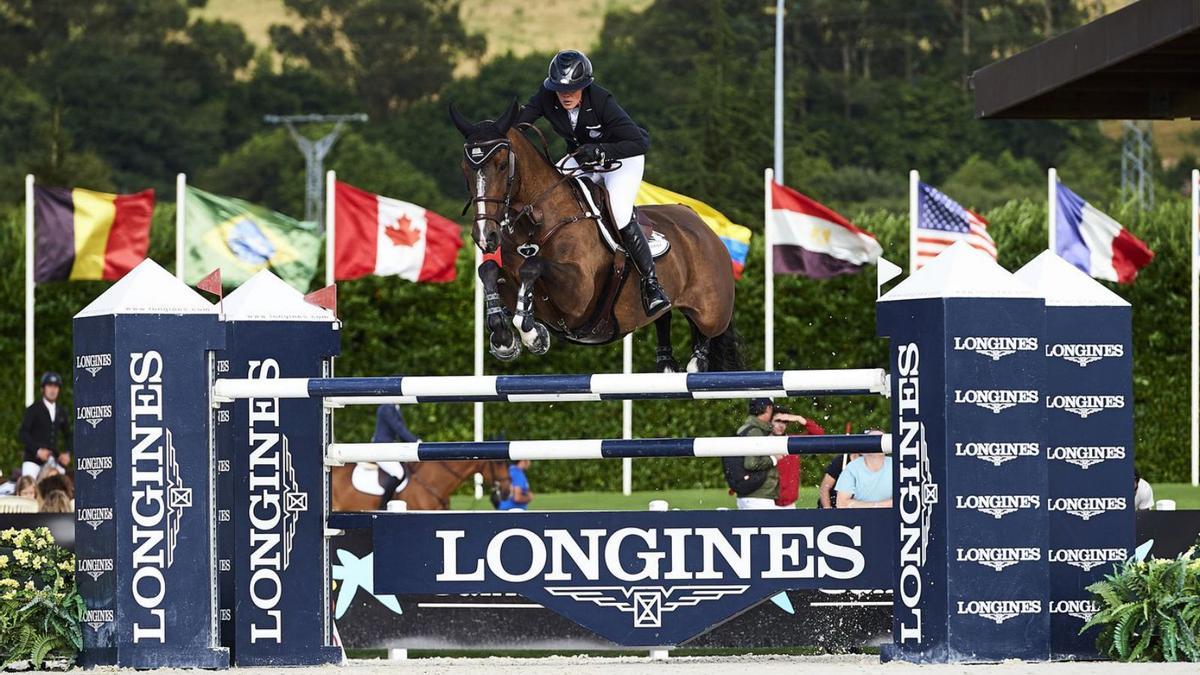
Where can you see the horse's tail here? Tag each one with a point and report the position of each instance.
(725, 351)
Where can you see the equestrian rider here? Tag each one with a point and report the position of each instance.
(597, 131)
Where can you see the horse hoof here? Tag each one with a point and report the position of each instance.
(697, 365)
(667, 366)
(504, 352)
(541, 342)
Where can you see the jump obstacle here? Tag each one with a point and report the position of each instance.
(995, 528)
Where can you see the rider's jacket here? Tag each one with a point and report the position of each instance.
(601, 121)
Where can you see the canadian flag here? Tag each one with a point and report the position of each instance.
(388, 237)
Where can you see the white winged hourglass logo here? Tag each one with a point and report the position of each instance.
(646, 603)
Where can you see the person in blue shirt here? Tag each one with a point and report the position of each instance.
(520, 495)
(866, 483)
(390, 428)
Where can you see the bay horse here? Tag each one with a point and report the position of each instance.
(430, 485)
(558, 275)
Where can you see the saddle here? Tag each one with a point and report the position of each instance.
(595, 196)
(369, 478)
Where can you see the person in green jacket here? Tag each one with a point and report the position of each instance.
(758, 423)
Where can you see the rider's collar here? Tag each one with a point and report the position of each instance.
(478, 153)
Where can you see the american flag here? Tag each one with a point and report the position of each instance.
(943, 222)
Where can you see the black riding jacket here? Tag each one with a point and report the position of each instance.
(601, 121)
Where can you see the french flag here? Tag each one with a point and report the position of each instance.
(1091, 240)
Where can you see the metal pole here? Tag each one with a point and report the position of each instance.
(627, 416)
(29, 285)
(768, 275)
(478, 405)
(330, 228)
(914, 181)
(1052, 208)
(1195, 395)
(180, 225)
(779, 90)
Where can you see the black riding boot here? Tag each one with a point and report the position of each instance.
(654, 299)
(389, 484)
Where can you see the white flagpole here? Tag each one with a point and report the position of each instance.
(768, 275)
(1195, 397)
(478, 340)
(29, 285)
(914, 180)
(1052, 209)
(180, 224)
(330, 227)
(627, 416)
(779, 10)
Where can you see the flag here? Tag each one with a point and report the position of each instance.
(241, 238)
(735, 237)
(385, 237)
(81, 234)
(942, 222)
(1089, 239)
(811, 239)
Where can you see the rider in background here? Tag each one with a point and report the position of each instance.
(597, 131)
(390, 428)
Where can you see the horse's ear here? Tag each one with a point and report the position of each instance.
(465, 127)
(506, 120)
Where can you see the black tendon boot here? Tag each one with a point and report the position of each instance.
(654, 299)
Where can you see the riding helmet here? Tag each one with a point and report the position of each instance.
(51, 377)
(569, 70)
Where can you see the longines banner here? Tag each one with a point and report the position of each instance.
(636, 578)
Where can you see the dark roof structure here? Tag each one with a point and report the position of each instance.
(1140, 62)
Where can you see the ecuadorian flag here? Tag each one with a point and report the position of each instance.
(735, 237)
(84, 235)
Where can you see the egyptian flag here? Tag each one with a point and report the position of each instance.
(813, 240)
(388, 237)
(85, 235)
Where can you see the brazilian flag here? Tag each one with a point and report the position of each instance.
(242, 238)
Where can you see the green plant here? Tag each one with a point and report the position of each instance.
(1150, 610)
(40, 610)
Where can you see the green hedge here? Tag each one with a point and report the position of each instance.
(397, 327)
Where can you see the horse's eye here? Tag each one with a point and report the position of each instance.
(504, 166)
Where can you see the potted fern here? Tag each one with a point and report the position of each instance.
(40, 610)
(1150, 609)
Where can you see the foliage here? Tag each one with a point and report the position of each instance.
(40, 610)
(1150, 610)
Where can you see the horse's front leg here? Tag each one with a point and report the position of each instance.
(502, 342)
(533, 333)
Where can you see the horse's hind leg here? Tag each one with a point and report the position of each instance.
(700, 344)
(664, 359)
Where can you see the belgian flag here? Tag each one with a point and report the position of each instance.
(86, 235)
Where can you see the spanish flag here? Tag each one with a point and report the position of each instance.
(735, 237)
(84, 235)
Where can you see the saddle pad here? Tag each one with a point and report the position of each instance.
(365, 478)
(658, 243)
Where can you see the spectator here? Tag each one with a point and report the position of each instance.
(10, 486)
(866, 483)
(390, 428)
(1143, 494)
(56, 502)
(26, 488)
(54, 483)
(754, 480)
(826, 492)
(45, 431)
(788, 466)
(520, 495)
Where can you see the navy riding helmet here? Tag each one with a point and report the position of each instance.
(51, 377)
(569, 70)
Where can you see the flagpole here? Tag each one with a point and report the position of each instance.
(1195, 396)
(330, 227)
(768, 275)
(914, 181)
(29, 286)
(1052, 209)
(627, 416)
(180, 224)
(478, 340)
(779, 90)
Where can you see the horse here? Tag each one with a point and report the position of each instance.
(430, 485)
(558, 275)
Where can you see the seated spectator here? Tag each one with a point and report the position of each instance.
(56, 502)
(866, 483)
(826, 492)
(9, 487)
(520, 495)
(26, 488)
(1143, 494)
(55, 483)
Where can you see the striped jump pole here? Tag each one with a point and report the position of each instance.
(559, 388)
(730, 446)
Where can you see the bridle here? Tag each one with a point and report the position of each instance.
(477, 155)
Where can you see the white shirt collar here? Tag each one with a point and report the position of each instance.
(50, 405)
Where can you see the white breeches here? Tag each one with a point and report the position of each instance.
(622, 185)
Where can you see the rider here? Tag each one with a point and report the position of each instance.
(597, 131)
(390, 428)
